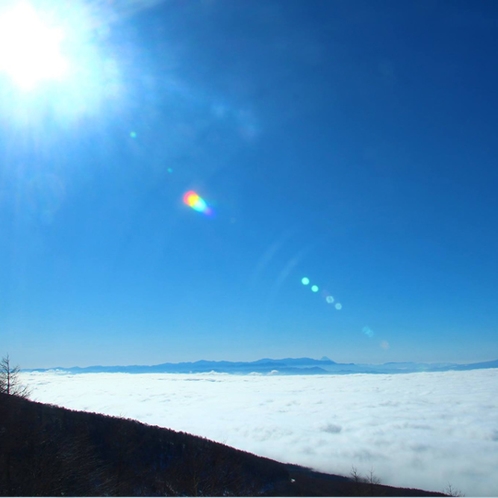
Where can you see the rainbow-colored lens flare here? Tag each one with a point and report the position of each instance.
(196, 202)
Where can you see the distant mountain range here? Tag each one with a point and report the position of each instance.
(285, 366)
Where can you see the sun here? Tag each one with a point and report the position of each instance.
(55, 60)
(30, 48)
(58, 59)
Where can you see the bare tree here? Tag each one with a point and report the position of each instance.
(359, 482)
(451, 491)
(355, 475)
(364, 486)
(372, 481)
(9, 379)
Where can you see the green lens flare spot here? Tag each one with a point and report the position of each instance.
(314, 288)
(305, 281)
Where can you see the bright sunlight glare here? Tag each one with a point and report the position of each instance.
(56, 60)
(30, 49)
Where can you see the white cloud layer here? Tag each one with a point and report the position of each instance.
(424, 430)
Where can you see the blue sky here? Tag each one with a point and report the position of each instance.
(349, 142)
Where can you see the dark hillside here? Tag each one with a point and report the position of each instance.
(50, 451)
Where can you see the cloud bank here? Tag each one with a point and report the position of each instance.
(424, 430)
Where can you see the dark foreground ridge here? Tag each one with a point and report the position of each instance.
(51, 451)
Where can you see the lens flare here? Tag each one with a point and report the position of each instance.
(368, 331)
(328, 298)
(196, 202)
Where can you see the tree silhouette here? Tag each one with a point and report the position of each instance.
(9, 379)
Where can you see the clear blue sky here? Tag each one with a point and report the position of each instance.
(350, 142)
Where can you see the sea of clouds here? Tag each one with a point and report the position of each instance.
(423, 430)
